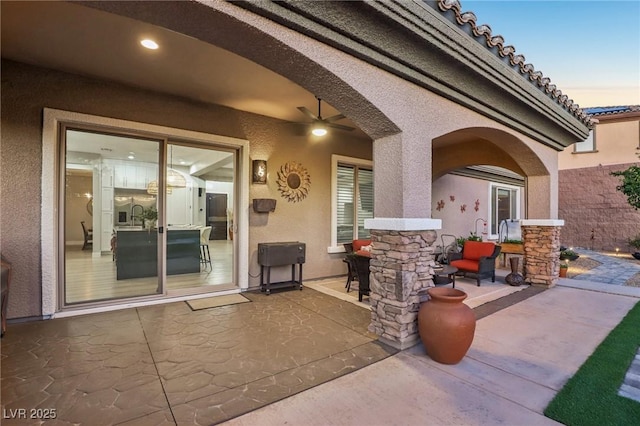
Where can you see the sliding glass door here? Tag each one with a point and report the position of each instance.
(200, 197)
(110, 216)
(130, 231)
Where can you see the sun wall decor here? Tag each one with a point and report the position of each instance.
(293, 181)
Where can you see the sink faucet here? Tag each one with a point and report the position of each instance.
(133, 208)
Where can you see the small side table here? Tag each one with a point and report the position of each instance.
(445, 275)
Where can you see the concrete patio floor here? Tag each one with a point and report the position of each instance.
(302, 357)
(520, 358)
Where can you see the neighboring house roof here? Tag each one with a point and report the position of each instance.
(508, 52)
(611, 110)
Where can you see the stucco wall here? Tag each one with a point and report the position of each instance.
(465, 191)
(589, 201)
(616, 143)
(26, 90)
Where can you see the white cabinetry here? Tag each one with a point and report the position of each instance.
(133, 175)
(106, 211)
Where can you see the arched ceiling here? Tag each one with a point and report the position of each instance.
(484, 146)
(104, 45)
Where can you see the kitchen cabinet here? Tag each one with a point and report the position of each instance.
(134, 175)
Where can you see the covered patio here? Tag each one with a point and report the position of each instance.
(169, 364)
(423, 85)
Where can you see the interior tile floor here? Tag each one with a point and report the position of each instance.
(168, 364)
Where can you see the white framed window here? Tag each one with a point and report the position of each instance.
(588, 145)
(504, 203)
(351, 200)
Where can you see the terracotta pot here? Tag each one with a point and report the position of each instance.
(563, 272)
(446, 325)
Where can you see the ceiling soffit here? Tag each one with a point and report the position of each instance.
(419, 43)
(211, 23)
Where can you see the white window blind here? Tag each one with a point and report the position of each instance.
(354, 202)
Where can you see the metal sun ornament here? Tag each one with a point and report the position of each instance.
(293, 182)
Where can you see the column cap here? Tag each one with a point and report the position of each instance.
(403, 224)
(542, 222)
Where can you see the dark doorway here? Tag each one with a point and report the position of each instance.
(217, 216)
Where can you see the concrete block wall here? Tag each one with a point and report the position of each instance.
(596, 215)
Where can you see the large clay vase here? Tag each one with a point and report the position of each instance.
(446, 325)
(514, 278)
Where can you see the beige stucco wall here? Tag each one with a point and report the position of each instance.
(465, 191)
(402, 160)
(616, 143)
(27, 90)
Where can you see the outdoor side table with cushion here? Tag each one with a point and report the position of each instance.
(446, 274)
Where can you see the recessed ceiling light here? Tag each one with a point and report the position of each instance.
(149, 44)
(131, 157)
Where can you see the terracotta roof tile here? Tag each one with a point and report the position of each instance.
(516, 60)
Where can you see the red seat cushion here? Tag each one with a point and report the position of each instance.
(358, 244)
(474, 250)
(466, 265)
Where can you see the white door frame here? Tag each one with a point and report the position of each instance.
(49, 229)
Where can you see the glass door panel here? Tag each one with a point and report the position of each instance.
(110, 213)
(199, 213)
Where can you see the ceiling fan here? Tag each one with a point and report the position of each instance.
(319, 124)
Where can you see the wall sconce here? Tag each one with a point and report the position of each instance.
(259, 171)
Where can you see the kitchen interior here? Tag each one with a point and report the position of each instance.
(112, 186)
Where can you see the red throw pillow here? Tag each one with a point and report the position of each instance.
(358, 244)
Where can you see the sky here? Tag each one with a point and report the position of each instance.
(589, 49)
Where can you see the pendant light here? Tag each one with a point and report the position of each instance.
(175, 179)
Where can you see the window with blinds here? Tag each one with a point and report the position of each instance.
(354, 202)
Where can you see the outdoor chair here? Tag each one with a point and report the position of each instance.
(478, 258)
(362, 268)
(352, 274)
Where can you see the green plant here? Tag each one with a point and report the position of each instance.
(472, 237)
(568, 253)
(564, 265)
(635, 242)
(148, 214)
(591, 397)
(508, 241)
(630, 185)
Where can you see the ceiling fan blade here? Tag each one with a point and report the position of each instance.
(308, 113)
(334, 118)
(340, 126)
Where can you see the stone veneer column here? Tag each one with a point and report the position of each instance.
(402, 260)
(541, 239)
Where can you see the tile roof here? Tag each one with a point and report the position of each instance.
(518, 61)
(611, 110)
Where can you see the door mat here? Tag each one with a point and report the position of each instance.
(216, 301)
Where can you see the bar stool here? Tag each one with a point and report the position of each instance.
(205, 257)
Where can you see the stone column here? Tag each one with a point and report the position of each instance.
(541, 239)
(402, 260)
